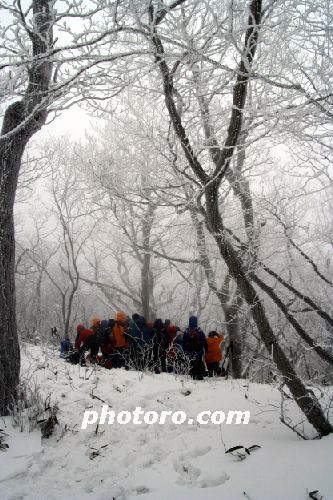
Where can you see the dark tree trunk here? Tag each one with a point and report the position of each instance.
(145, 298)
(38, 319)
(152, 307)
(9, 348)
(146, 273)
(21, 121)
(232, 319)
(230, 310)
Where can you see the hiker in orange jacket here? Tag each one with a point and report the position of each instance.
(213, 355)
(120, 341)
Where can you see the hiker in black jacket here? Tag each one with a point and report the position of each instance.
(195, 346)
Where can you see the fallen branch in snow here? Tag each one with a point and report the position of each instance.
(247, 496)
(96, 397)
(96, 431)
(314, 495)
(186, 392)
(96, 451)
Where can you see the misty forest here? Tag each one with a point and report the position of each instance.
(166, 179)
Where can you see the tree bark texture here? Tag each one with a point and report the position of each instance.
(22, 120)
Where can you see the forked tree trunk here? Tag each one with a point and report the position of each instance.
(22, 119)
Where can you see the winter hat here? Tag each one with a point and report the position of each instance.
(121, 316)
(104, 324)
(193, 322)
(80, 327)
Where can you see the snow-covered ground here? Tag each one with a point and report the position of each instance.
(158, 461)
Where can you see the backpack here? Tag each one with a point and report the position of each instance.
(193, 343)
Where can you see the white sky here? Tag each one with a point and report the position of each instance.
(73, 122)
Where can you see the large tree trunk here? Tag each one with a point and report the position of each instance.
(9, 349)
(22, 119)
(229, 307)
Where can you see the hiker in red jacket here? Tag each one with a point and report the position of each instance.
(82, 334)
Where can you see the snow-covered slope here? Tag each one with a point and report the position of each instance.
(158, 461)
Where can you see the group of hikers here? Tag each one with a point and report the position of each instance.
(135, 343)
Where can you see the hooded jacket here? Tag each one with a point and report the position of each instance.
(82, 335)
(119, 330)
(135, 331)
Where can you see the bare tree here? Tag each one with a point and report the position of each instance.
(133, 205)
(27, 75)
(21, 121)
(210, 189)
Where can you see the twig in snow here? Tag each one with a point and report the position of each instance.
(96, 397)
(247, 496)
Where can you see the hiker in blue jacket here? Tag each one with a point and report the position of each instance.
(135, 337)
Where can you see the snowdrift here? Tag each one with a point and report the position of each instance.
(157, 461)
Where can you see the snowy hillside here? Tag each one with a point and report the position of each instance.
(157, 461)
